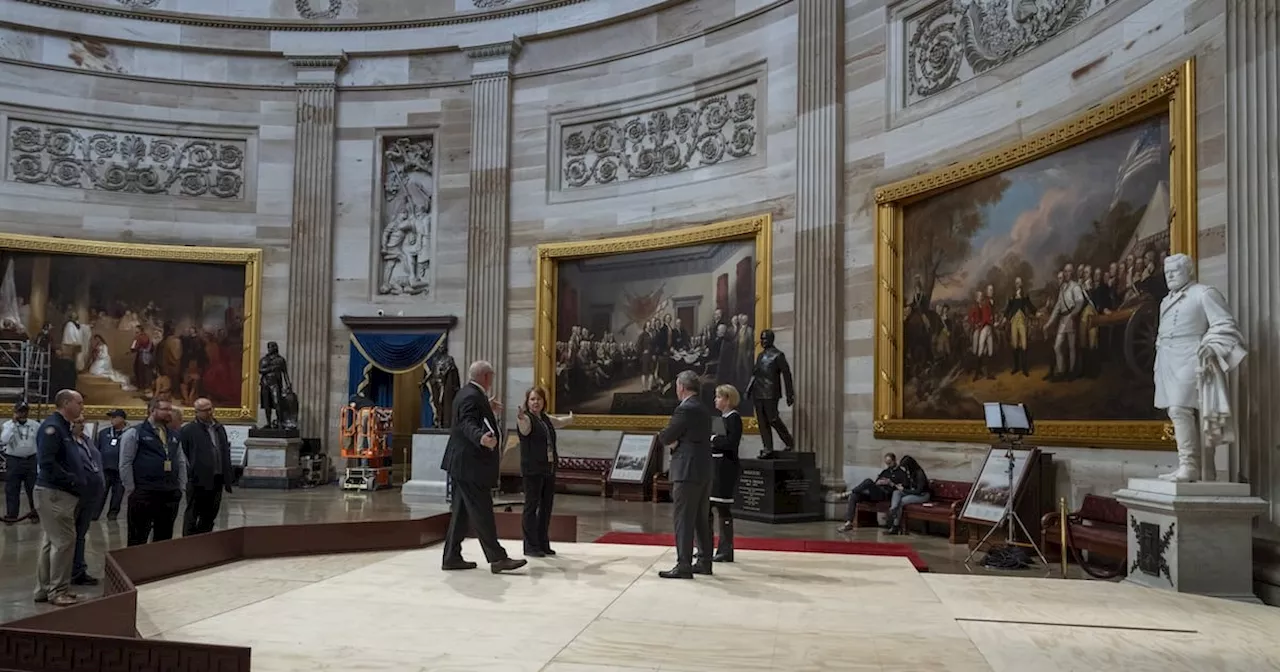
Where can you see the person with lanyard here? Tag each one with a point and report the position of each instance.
(538, 469)
(108, 442)
(154, 473)
(18, 443)
(91, 493)
(57, 496)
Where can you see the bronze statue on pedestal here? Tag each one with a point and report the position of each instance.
(770, 378)
(276, 390)
(443, 383)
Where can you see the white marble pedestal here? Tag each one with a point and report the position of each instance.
(272, 463)
(1192, 537)
(428, 482)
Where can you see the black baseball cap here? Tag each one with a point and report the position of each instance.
(21, 407)
(117, 413)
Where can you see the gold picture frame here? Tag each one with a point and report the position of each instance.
(248, 258)
(758, 228)
(1171, 94)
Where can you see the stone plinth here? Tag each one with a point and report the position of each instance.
(1192, 537)
(428, 481)
(784, 489)
(272, 462)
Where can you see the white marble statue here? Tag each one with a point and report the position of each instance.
(1196, 347)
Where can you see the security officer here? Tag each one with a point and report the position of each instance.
(18, 443)
(154, 472)
(57, 495)
(109, 447)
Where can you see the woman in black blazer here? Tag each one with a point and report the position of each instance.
(538, 456)
(724, 484)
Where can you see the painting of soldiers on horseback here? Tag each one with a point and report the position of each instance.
(1041, 284)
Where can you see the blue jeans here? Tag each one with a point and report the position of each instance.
(899, 500)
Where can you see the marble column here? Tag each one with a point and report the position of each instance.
(485, 333)
(311, 241)
(819, 301)
(1253, 237)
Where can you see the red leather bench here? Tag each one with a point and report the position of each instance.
(588, 471)
(1100, 527)
(943, 507)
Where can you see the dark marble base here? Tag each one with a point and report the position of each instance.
(270, 482)
(271, 433)
(432, 430)
(783, 489)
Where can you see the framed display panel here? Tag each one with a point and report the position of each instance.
(618, 318)
(990, 492)
(1033, 274)
(631, 463)
(97, 304)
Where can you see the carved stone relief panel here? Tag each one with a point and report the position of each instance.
(709, 130)
(318, 9)
(489, 4)
(139, 4)
(952, 41)
(406, 241)
(125, 162)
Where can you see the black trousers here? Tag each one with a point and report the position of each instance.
(472, 509)
(152, 514)
(767, 417)
(723, 510)
(114, 493)
(19, 474)
(90, 503)
(203, 505)
(866, 491)
(691, 516)
(535, 521)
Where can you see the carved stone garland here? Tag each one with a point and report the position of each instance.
(706, 132)
(981, 34)
(489, 4)
(139, 4)
(124, 162)
(408, 192)
(306, 11)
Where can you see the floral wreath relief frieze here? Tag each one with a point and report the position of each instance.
(122, 162)
(952, 41)
(139, 4)
(307, 9)
(703, 132)
(489, 4)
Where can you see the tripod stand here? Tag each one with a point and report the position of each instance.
(1010, 516)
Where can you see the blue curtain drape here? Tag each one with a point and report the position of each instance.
(386, 354)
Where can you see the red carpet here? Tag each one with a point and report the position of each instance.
(783, 545)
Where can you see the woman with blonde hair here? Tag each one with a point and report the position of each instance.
(724, 484)
(538, 455)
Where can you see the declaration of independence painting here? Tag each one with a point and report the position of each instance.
(1041, 284)
(125, 330)
(627, 324)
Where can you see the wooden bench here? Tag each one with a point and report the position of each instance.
(946, 501)
(1100, 527)
(661, 488)
(588, 471)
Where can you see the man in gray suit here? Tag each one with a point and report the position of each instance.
(688, 435)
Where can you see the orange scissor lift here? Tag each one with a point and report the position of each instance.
(366, 446)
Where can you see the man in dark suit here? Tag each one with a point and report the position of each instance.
(471, 459)
(208, 453)
(688, 435)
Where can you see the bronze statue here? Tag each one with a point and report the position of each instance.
(768, 378)
(443, 383)
(276, 390)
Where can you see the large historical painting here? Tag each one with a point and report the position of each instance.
(1040, 282)
(126, 324)
(628, 315)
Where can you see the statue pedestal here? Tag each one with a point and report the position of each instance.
(1192, 537)
(428, 482)
(271, 459)
(784, 489)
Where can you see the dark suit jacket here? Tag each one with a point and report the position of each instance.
(198, 447)
(690, 430)
(464, 458)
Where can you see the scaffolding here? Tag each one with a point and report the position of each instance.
(24, 372)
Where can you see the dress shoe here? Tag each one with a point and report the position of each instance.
(702, 568)
(722, 557)
(676, 573)
(84, 580)
(450, 565)
(534, 554)
(507, 565)
(64, 600)
(548, 551)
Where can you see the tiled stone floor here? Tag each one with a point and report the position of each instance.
(19, 543)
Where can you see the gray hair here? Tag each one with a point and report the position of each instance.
(478, 369)
(687, 380)
(1178, 261)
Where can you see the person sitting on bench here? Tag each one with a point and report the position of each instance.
(878, 490)
(914, 490)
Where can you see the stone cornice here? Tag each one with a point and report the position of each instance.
(318, 62)
(344, 25)
(510, 49)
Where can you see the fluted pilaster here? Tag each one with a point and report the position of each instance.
(1253, 235)
(311, 247)
(489, 219)
(819, 334)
